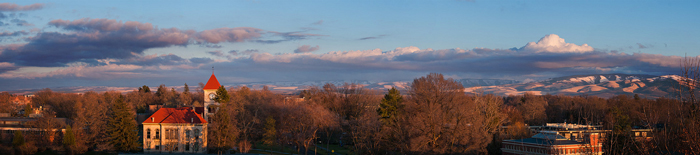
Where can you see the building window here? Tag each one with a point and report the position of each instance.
(196, 134)
(188, 134)
(157, 133)
(171, 134)
(166, 135)
(187, 146)
(148, 133)
(196, 146)
(157, 147)
(177, 134)
(211, 109)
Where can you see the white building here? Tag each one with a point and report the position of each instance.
(175, 130)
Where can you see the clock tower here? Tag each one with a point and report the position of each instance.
(210, 105)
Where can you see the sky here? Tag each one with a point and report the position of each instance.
(45, 44)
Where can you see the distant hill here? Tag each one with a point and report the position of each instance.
(291, 87)
(602, 85)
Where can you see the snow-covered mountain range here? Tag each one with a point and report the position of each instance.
(289, 87)
(603, 85)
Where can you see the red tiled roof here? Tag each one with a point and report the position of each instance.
(212, 83)
(175, 115)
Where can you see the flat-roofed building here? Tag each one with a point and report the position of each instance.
(26, 125)
(550, 142)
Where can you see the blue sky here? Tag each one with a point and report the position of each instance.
(92, 43)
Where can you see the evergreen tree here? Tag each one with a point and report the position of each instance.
(122, 127)
(18, 143)
(27, 110)
(69, 140)
(187, 89)
(161, 91)
(222, 95)
(620, 141)
(390, 105)
(145, 89)
(222, 130)
(18, 139)
(185, 98)
(270, 134)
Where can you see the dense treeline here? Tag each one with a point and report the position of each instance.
(433, 116)
(93, 118)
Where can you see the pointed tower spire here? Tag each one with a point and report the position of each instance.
(212, 83)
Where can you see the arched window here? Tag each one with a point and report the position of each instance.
(148, 133)
(157, 133)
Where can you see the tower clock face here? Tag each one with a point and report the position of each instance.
(212, 96)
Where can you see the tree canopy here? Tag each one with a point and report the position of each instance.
(222, 95)
(122, 127)
(390, 105)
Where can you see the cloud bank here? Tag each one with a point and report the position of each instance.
(105, 50)
(87, 40)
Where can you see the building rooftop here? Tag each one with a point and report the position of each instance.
(549, 135)
(566, 127)
(544, 141)
(175, 115)
(546, 138)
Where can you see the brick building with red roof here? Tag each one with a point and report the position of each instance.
(175, 130)
(550, 142)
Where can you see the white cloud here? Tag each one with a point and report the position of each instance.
(553, 43)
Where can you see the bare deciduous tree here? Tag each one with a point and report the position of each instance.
(442, 119)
